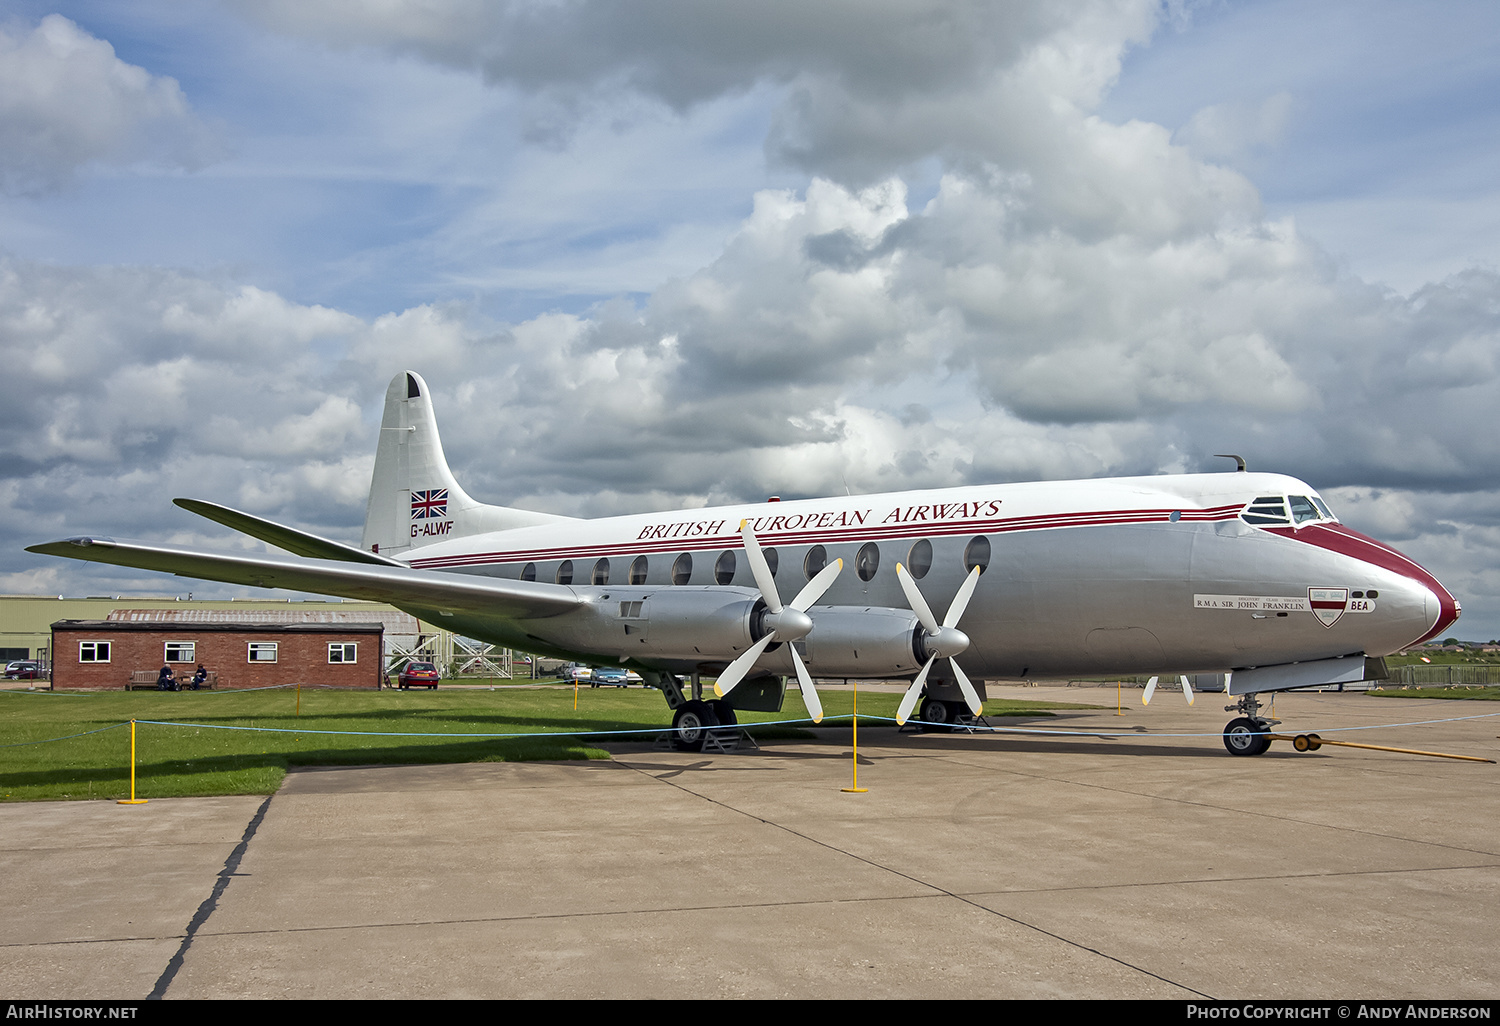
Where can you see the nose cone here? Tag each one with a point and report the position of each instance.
(1409, 594)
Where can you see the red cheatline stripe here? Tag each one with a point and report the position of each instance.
(826, 537)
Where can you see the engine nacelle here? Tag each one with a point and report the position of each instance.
(682, 624)
(854, 641)
(688, 626)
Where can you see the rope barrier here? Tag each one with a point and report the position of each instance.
(508, 735)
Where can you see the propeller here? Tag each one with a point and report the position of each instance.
(945, 641)
(1187, 690)
(786, 623)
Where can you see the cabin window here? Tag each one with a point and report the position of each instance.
(919, 559)
(565, 572)
(601, 573)
(181, 652)
(93, 651)
(977, 553)
(528, 572)
(638, 570)
(724, 568)
(815, 561)
(682, 568)
(772, 560)
(867, 560)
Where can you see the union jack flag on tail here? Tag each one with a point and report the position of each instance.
(429, 504)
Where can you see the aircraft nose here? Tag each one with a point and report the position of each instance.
(1409, 594)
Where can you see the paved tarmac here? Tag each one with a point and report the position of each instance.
(975, 866)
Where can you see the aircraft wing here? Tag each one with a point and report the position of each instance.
(397, 585)
(299, 542)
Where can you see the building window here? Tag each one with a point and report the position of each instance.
(341, 651)
(262, 652)
(182, 652)
(93, 651)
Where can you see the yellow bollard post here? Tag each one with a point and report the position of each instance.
(132, 800)
(856, 789)
(1120, 698)
(575, 693)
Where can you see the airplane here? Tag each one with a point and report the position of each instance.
(1245, 574)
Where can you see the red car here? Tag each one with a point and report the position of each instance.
(24, 669)
(418, 675)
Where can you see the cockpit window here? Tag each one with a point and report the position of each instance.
(1322, 508)
(1268, 509)
(1303, 510)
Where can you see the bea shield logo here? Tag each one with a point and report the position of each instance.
(1328, 604)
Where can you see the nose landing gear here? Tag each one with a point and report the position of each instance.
(1249, 733)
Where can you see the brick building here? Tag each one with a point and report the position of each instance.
(104, 653)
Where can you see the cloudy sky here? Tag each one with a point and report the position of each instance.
(674, 252)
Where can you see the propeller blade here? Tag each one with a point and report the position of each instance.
(736, 670)
(817, 586)
(961, 600)
(1150, 690)
(1187, 690)
(970, 695)
(764, 579)
(809, 693)
(909, 700)
(916, 601)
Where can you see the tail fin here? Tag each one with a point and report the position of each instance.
(414, 499)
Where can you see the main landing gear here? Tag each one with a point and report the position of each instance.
(1248, 734)
(695, 720)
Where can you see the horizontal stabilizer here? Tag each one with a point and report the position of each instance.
(289, 538)
(400, 586)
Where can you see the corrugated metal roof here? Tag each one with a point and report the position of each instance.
(394, 621)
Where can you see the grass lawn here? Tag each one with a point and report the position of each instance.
(91, 759)
(1483, 693)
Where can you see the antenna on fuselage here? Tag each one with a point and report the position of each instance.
(1239, 461)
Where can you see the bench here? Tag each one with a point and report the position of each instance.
(145, 680)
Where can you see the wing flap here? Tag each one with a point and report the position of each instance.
(398, 585)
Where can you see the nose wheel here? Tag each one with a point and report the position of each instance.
(1245, 736)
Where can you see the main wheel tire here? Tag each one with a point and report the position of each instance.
(937, 716)
(691, 724)
(1244, 736)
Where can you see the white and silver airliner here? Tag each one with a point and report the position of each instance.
(1240, 573)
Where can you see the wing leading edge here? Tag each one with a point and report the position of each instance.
(397, 585)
